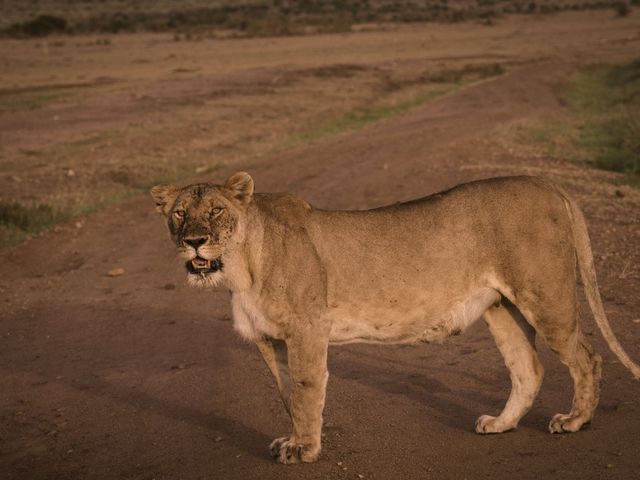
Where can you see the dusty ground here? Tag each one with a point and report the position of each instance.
(139, 377)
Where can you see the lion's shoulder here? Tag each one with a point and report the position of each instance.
(283, 208)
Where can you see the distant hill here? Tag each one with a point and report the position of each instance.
(28, 18)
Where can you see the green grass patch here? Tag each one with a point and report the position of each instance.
(605, 102)
(435, 84)
(632, 181)
(30, 102)
(363, 116)
(29, 219)
(17, 221)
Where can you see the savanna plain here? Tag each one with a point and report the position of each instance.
(111, 367)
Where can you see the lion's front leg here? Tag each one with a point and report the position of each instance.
(307, 359)
(274, 353)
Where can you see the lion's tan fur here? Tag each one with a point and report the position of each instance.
(501, 249)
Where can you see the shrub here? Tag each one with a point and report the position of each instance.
(40, 26)
(28, 219)
(622, 8)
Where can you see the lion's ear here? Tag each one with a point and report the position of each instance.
(240, 186)
(164, 196)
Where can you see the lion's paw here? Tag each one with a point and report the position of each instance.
(284, 450)
(488, 424)
(562, 423)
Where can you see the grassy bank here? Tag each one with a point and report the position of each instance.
(601, 124)
(606, 101)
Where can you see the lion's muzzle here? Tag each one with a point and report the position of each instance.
(202, 266)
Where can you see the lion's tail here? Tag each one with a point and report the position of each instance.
(588, 274)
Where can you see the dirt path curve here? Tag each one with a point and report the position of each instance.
(139, 377)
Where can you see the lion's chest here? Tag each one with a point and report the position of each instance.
(248, 317)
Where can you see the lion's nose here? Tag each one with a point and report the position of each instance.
(195, 242)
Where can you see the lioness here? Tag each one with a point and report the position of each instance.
(504, 249)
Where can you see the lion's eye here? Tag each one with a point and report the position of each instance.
(179, 214)
(217, 211)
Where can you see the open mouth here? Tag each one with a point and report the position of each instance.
(203, 266)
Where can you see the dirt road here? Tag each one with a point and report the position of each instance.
(139, 377)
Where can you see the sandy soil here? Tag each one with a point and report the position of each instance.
(139, 377)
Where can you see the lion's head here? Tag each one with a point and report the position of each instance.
(205, 221)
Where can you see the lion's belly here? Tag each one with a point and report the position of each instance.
(422, 321)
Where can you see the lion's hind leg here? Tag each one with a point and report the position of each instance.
(515, 339)
(560, 329)
(585, 367)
